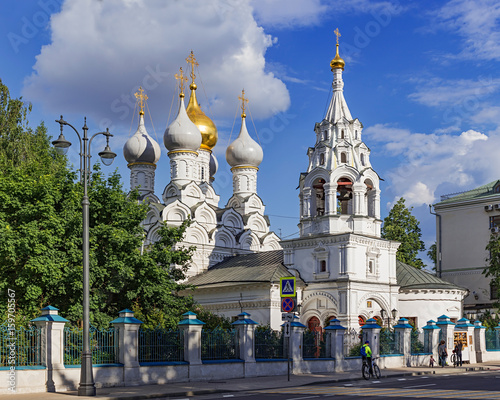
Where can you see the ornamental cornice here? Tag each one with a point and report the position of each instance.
(319, 293)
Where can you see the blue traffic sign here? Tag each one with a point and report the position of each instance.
(288, 287)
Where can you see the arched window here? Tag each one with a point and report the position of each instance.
(322, 159)
(322, 266)
(356, 134)
(370, 267)
(343, 158)
(342, 134)
(362, 159)
(361, 320)
(319, 193)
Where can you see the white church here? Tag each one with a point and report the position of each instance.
(343, 268)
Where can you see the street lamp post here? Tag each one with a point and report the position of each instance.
(87, 385)
(394, 313)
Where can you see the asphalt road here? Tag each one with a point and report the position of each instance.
(467, 385)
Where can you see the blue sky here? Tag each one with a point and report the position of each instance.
(423, 78)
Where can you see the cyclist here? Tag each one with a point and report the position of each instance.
(366, 355)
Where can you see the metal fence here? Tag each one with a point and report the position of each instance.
(160, 345)
(492, 339)
(103, 344)
(390, 342)
(219, 344)
(352, 343)
(20, 347)
(419, 342)
(269, 344)
(316, 345)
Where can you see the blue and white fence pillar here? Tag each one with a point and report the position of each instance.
(191, 327)
(246, 335)
(403, 331)
(371, 332)
(431, 338)
(336, 332)
(447, 331)
(127, 328)
(52, 343)
(464, 326)
(296, 342)
(480, 341)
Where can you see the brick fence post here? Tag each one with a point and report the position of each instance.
(337, 332)
(246, 335)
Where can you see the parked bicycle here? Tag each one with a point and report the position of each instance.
(454, 359)
(365, 369)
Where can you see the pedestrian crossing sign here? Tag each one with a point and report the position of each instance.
(288, 287)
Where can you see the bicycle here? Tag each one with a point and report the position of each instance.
(365, 369)
(454, 359)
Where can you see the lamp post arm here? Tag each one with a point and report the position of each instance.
(62, 122)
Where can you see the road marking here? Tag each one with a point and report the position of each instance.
(424, 377)
(415, 386)
(228, 395)
(402, 379)
(300, 398)
(348, 384)
(375, 381)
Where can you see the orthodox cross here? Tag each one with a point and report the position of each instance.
(141, 97)
(243, 101)
(180, 76)
(191, 60)
(337, 33)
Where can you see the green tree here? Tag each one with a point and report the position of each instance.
(41, 231)
(492, 269)
(432, 254)
(402, 226)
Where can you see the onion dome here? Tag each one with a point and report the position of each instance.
(141, 148)
(204, 124)
(244, 151)
(182, 133)
(213, 165)
(337, 62)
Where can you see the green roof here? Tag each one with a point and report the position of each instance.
(409, 277)
(480, 193)
(262, 267)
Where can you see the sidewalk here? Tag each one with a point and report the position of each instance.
(244, 384)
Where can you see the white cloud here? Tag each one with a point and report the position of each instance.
(463, 93)
(292, 13)
(428, 164)
(100, 52)
(478, 22)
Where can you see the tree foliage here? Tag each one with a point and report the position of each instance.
(402, 226)
(41, 231)
(492, 269)
(432, 254)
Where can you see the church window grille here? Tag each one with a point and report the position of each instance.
(343, 158)
(322, 159)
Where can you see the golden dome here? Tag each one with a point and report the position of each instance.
(337, 62)
(204, 124)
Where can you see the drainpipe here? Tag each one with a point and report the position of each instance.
(438, 255)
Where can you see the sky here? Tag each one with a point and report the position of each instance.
(422, 77)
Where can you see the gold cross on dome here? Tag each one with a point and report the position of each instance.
(191, 60)
(337, 33)
(243, 101)
(180, 76)
(141, 97)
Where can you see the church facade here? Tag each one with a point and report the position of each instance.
(343, 268)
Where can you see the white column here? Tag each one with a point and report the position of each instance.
(448, 329)
(203, 174)
(246, 335)
(337, 332)
(52, 344)
(371, 332)
(479, 340)
(403, 328)
(431, 332)
(128, 343)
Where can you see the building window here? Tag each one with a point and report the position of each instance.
(342, 134)
(495, 221)
(356, 134)
(322, 159)
(362, 159)
(322, 266)
(343, 158)
(493, 292)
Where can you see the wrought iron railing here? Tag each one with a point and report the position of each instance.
(390, 342)
(20, 347)
(160, 345)
(492, 339)
(269, 344)
(418, 342)
(103, 343)
(352, 343)
(219, 344)
(316, 345)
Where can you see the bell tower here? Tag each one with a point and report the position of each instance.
(340, 192)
